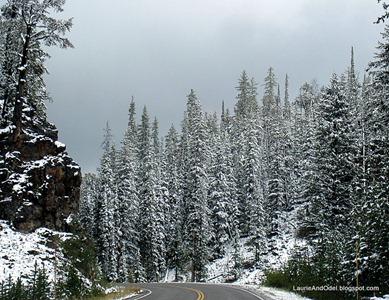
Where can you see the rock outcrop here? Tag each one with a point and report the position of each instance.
(40, 183)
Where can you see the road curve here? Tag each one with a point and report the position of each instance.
(196, 291)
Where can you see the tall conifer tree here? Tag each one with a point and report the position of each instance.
(375, 209)
(128, 201)
(149, 203)
(197, 232)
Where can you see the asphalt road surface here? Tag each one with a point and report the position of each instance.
(193, 291)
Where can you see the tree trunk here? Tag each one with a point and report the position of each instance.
(193, 269)
(21, 87)
(7, 66)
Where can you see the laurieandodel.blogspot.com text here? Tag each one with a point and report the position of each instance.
(328, 288)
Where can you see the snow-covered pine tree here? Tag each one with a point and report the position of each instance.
(287, 111)
(196, 222)
(222, 188)
(277, 153)
(129, 268)
(375, 209)
(88, 205)
(107, 209)
(329, 186)
(212, 132)
(353, 86)
(227, 164)
(355, 95)
(304, 110)
(273, 154)
(160, 206)
(246, 150)
(26, 27)
(361, 187)
(281, 173)
(246, 104)
(286, 149)
(174, 213)
(253, 188)
(226, 121)
(149, 204)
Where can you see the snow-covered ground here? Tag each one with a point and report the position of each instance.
(20, 251)
(276, 294)
(279, 251)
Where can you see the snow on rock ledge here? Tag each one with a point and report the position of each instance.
(40, 183)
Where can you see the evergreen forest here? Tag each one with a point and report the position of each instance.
(316, 167)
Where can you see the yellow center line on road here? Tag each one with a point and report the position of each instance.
(200, 295)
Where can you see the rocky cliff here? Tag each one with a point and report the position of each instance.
(40, 183)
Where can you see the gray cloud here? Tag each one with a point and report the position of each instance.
(159, 50)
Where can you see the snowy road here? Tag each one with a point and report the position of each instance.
(192, 291)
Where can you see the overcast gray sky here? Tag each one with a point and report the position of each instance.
(157, 50)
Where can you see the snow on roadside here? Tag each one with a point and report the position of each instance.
(20, 251)
(278, 294)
